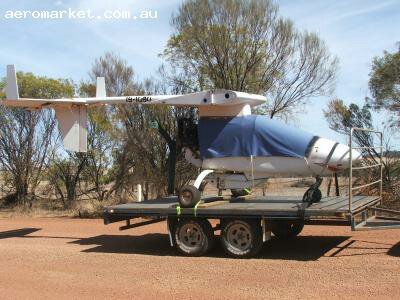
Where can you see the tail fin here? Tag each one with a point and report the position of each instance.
(100, 88)
(72, 121)
(12, 86)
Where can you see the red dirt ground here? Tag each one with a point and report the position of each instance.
(74, 258)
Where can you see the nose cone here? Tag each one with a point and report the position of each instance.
(334, 156)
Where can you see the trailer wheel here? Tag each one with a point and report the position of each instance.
(193, 237)
(241, 238)
(287, 228)
(189, 196)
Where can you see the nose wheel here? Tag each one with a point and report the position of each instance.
(240, 193)
(313, 194)
(189, 196)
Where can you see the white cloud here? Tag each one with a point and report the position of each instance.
(363, 11)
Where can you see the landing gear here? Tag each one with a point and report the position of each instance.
(240, 193)
(189, 196)
(241, 238)
(193, 237)
(286, 228)
(313, 194)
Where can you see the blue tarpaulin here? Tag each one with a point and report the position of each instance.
(250, 135)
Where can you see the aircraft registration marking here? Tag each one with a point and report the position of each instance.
(138, 99)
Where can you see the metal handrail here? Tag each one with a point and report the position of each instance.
(366, 167)
(377, 147)
(380, 181)
(365, 185)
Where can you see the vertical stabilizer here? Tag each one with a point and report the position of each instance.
(72, 121)
(12, 87)
(100, 88)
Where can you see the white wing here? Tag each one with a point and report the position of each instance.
(71, 113)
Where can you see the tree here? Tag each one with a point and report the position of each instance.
(26, 137)
(384, 82)
(142, 154)
(65, 175)
(2, 86)
(247, 46)
(342, 118)
(101, 143)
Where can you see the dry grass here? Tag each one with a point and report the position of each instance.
(53, 208)
(92, 208)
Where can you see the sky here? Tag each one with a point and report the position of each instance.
(354, 30)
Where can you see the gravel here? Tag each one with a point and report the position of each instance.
(74, 258)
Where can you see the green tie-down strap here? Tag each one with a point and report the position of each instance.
(248, 191)
(179, 210)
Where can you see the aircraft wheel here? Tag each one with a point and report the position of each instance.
(241, 238)
(240, 193)
(189, 196)
(287, 228)
(317, 196)
(193, 237)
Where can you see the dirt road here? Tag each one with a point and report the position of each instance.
(74, 258)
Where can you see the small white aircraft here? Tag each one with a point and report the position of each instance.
(235, 149)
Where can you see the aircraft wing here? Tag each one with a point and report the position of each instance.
(40, 103)
(71, 113)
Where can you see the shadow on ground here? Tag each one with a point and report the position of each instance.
(22, 232)
(303, 248)
(395, 250)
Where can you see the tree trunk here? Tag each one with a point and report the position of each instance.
(171, 158)
(171, 167)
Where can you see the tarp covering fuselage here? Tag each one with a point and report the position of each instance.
(252, 135)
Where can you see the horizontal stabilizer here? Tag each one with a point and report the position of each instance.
(72, 121)
(12, 86)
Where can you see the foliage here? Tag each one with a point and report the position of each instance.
(342, 118)
(65, 174)
(2, 86)
(247, 46)
(138, 153)
(384, 82)
(26, 137)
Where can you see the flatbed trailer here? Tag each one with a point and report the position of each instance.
(255, 217)
(217, 207)
(246, 222)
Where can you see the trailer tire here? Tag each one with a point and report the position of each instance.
(188, 196)
(287, 228)
(193, 237)
(241, 238)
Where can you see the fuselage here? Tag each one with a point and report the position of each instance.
(317, 163)
(267, 148)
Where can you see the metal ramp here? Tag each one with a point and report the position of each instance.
(371, 217)
(374, 218)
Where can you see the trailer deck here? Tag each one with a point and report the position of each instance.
(220, 207)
